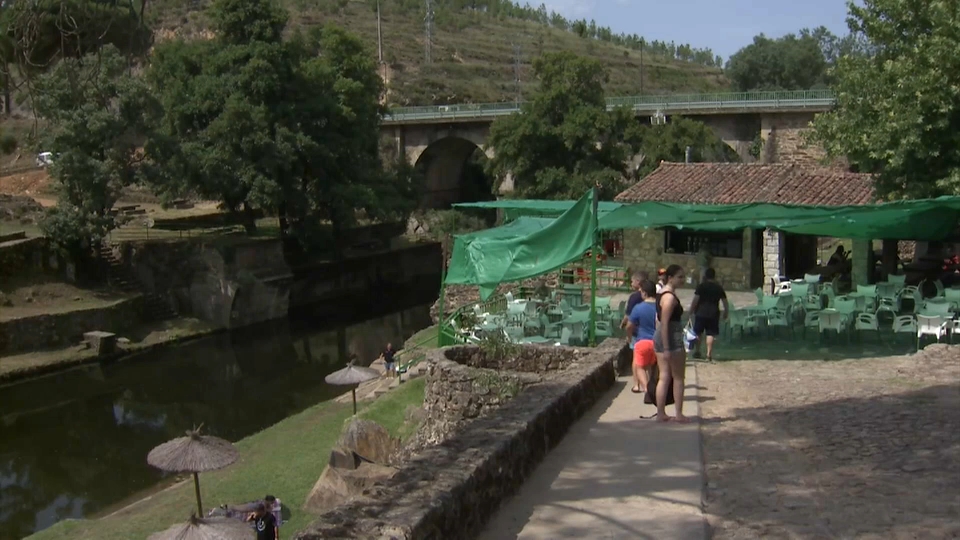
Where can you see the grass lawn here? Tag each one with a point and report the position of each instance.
(284, 460)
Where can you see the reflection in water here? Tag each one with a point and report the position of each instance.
(76, 442)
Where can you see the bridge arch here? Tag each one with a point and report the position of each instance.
(452, 167)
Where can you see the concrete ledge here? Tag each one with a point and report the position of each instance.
(452, 489)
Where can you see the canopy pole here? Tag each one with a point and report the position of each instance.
(593, 273)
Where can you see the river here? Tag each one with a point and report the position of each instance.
(75, 443)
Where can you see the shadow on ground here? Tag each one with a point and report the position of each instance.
(880, 467)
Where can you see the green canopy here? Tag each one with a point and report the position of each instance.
(516, 208)
(489, 260)
(925, 219)
(520, 227)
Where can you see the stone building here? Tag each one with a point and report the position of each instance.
(750, 258)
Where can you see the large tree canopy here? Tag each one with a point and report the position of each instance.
(898, 110)
(669, 142)
(564, 141)
(291, 126)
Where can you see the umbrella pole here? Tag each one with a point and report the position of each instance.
(196, 486)
(354, 392)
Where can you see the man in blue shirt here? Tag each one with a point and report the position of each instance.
(641, 326)
(635, 296)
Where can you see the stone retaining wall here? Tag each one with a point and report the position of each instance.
(450, 490)
(59, 329)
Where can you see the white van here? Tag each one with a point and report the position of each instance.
(44, 159)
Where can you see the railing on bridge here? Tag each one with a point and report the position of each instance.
(729, 101)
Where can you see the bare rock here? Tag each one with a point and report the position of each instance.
(337, 486)
(370, 440)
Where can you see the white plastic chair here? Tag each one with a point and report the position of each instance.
(867, 321)
(831, 320)
(931, 325)
(904, 324)
(778, 317)
(741, 319)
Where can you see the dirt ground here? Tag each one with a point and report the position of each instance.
(143, 336)
(26, 296)
(866, 448)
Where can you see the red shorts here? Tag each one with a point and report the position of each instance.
(643, 354)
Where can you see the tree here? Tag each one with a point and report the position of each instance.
(898, 111)
(669, 142)
(288, 126)
(97, 115)
(564, 141)
(788, 63)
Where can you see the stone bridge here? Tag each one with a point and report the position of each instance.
(441, 139)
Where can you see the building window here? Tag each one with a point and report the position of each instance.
(720, 244)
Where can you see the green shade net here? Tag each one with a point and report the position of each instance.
(926, 219)
(516, 208)
(487, 261)
(522, 226)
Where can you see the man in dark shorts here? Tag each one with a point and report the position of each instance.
(706, 310)
(388, 361)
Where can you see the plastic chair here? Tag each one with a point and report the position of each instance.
(742, 320)
(904, 324)
(811, 320)
(779, 318)
(831, 320)
(931, 326)
(899, 279)
(867, 321)
(869, 293)
(953, 297)
(912, 293)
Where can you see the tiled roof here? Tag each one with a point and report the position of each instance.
(737, 183)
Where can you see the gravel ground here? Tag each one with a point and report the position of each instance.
(866, 448)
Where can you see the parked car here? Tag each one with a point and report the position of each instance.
(44, 159)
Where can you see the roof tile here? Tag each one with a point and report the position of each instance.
(740, 183)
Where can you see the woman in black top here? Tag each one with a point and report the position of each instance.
(668, 345)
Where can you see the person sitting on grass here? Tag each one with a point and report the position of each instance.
(264, 522)
(641, 326)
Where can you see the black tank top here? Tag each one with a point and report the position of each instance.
(677, 310)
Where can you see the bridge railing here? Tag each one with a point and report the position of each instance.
(647, 103)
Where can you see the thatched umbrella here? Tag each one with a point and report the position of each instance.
(352, 375)
(207, 529)
(194, 453)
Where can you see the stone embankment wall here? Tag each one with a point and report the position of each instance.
(60, 329)
(450, 490)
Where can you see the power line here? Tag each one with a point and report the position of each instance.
(429, 33)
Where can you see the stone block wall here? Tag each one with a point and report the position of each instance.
(44, 331)
(33, 255)
(529, 359)
(643, 250)
(772, 259)
(450, 490)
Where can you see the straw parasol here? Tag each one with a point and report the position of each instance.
(194, 453)
(207, 529)
(352, 375)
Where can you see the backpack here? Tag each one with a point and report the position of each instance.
(650, 397)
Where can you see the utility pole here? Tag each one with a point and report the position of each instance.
(642, 42)
(429, 33)
(379, 35)
(516, 71)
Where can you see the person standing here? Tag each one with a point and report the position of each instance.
(641, 326)
(388, 361)
(668, 345)
(706, 311)
(704, 258)
(264, 522)
(635, 296)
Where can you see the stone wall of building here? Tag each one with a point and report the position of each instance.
(450, 490)
(772, 259)
(40, 332)
(788, 138)
(643, 250)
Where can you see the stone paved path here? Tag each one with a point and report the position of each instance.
(865, 448)
(614, 476)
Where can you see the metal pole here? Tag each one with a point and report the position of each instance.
(593, 273)
(354, 392)
(641, 65)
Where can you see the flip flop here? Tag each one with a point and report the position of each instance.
(636, 390)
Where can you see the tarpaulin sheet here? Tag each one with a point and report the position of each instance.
(489, 261)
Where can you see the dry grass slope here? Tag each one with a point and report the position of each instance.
(473, 53)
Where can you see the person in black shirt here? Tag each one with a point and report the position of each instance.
(265, 523)
(388, 355)
(635, 296)
(706, 311)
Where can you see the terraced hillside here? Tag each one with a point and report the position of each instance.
(472, 52)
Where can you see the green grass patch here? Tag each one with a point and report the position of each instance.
(424, 339)
(284, 460)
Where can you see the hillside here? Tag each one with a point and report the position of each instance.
(473, 52)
